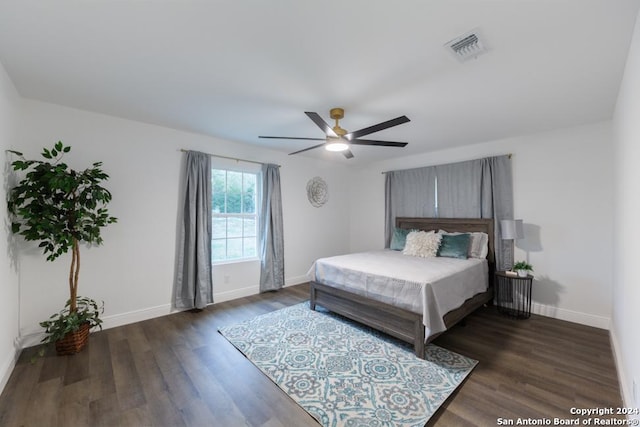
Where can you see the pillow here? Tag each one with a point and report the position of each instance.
(422, 244)
(478, 246)
(399, 239)
(454, 246)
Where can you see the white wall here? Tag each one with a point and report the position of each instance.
(626, 285)
(133, 271)
(9, 310)
(562, 184)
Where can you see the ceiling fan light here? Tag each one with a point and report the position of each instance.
(336, 146)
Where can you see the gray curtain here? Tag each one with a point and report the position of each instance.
(460, 190)
(481, 188)
(271, 235)
(408, 193)
(499, 169)
(193, 285)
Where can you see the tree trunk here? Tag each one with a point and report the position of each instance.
(74, 271)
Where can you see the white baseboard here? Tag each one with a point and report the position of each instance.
(296, 280)
(571, 316)
(625, 389)
(31, 338)
(6, 368)
(136, 316)
(235, 294)
(625, 381)
(163, 310)
(253, 290)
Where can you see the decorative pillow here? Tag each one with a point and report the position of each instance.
(478, 245)
(423, 244)
(399, 239)
(454, 246)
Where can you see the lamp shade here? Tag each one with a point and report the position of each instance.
(511, 229)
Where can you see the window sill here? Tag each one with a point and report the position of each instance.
(235, 261)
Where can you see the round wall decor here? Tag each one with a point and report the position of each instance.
(317, 191)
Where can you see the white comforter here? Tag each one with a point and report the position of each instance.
(431, 286)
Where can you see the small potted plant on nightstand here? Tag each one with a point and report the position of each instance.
(522, 268)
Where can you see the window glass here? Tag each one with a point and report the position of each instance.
(234, 222)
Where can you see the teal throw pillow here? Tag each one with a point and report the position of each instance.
(399, 239)
(454, 246)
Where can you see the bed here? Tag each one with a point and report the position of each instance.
(410, 322)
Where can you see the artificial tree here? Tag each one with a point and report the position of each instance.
(61, 208)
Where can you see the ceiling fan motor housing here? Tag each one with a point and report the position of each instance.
(337, 114)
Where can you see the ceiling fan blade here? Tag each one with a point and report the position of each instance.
(377, 128)
(379, 143)
(293, 137)
(315, 117)
(307, 149)
(348, 154)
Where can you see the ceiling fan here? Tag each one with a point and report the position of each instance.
(338, 139)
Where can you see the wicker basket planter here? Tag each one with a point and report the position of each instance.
(73, 342)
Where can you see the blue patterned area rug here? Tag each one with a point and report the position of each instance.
(345, 374)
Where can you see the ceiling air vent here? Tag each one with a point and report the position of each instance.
(467, 46)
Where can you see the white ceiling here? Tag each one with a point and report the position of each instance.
(238, 69)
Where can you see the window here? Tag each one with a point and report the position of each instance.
(234, 215)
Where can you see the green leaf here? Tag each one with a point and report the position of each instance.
(18, 165)
(54, 204)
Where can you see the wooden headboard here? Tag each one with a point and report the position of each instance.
(461, 225)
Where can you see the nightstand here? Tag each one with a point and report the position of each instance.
(513, 294)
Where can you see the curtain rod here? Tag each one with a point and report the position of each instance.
(385, 172)
(228, 158)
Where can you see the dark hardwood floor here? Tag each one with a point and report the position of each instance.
(178, 370)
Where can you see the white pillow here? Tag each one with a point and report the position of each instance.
(479, 246)
(478, 243)
(423, 244)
